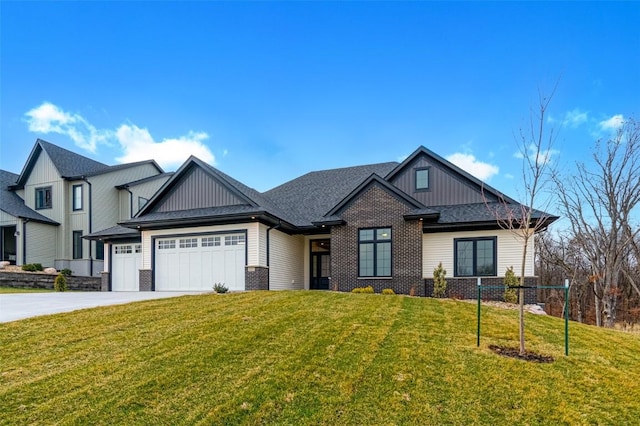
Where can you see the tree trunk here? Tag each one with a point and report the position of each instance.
(521, 318)
(596, 301)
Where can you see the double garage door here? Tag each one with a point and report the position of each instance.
(197, 263)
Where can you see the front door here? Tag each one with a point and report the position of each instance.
(8, 243)
(320, 264)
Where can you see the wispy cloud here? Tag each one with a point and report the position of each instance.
(135, 142)
(48, 118)
(470, 164)
(544, 156)
(611, 124)
(572, 119)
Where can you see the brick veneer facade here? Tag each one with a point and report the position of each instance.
(375, 208)
(467, 288)
(256, 278)
(146, 279)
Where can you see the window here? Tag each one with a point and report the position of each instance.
(138, 248)
(422, 179)
(122, 249)
(166, 244)
(234, 240)
(475, 257)
(188, 242)
(374, 253)
(77, 244)
(43, 198)
(77, 197)
(141, 202)
(210, 241)
(100, 250)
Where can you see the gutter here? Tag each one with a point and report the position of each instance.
(24, 241)
(84, 178)
(126, 188)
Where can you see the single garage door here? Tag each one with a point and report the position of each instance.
(126, 261)
(196, 263)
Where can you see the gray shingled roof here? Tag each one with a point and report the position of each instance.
(112, 233)
(201, 214)
(480, 212)
(12, 204)
(308, 198)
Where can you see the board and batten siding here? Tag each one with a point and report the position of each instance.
(445, 186)
(41, 243)
(438, 247)
(197, 189)
(7, 219)
(286, 261)
(251, 241)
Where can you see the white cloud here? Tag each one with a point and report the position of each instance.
(48, 118)
(612, 124)
(469, 163)
(574, 118)
(138, 145)
(544, 156)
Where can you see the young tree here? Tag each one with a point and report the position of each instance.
(535, 147)
(599, 201)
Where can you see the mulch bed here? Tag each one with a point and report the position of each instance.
(515, 353)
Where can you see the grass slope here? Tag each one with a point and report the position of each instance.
(309, 358)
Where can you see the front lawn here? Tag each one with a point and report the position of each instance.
(296, 358)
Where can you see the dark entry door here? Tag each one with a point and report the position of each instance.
(320, 265)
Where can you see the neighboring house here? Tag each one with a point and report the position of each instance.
(59, 197)
(386, 225)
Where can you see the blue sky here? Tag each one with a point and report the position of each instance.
(267, 91)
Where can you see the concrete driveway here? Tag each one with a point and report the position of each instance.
(16, 306)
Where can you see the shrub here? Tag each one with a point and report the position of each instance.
(510, 280)
(32, 267)
(60, 283)
(439, 281)
(66, 272)
(220, 288)
(388, 291)
(367, 289)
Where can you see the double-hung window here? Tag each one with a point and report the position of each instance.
(374, 252)
(475, 257)
(44, 198)
(77, 197)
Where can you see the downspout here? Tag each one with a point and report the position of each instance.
(126, 188)
(84, 178)
(24, 241)
(268, 245)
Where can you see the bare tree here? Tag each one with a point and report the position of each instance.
(599, 201)
(524, 220)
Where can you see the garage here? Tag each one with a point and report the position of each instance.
(126, 261)
(197, 262)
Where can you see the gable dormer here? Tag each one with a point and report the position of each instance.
(434, 181)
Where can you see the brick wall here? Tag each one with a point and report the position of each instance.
(256, 278)
(374, 208)
(35, 280)
(145, 279)
(467, 288)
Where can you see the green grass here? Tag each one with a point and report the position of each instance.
(24, 290)
(321, 358)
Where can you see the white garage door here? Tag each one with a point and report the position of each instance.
(126, 262)
(196, 263)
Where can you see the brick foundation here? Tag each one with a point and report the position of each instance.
(467, 288)
(256, 278)
(146, 280)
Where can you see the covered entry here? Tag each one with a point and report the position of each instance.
(320, 264)
(8, 245)
(197, 262)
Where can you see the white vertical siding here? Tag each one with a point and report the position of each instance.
(286, 261)
(41, 243)
(439, 248)
(7, 220)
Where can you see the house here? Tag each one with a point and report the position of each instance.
(386, 225)
(61, 196)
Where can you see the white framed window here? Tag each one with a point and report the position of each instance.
(210, 241)
(166, 244)
(234, 240)
(122, 249)
(188, 242)
(138, 248)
